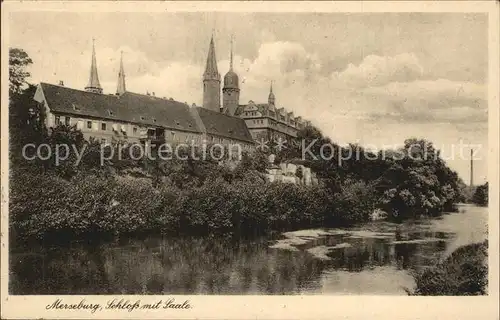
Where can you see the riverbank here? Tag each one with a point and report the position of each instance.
(463, 273)
(371, 258)
(43, 206)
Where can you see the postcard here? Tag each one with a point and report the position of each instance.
(250, 160)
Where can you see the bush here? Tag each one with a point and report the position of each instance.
(480, 196)
(43, 205)
(354, 203)
(463, 273)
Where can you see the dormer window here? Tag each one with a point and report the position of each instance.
(154, 119)
(177, 123)
(75, 108)
(110, 113)
(143, 118)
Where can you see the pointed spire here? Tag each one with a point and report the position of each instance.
(211, 71)
(120, 88)
(271, 99)
(93, 85)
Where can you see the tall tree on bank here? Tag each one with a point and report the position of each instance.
(18, 62)
(25, 115)
(480, 196)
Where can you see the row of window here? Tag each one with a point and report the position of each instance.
(190, 138)
(274, 124)
(292, 122)
(90, 124)
(104, 127)
(67, 120)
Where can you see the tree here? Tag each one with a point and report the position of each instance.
(26, 116)
(480, 196)
(18, 62)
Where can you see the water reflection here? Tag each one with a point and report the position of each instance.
(348, 265)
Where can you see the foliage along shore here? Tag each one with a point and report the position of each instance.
(463, 273)
(127, 196)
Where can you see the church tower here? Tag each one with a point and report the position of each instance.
(120, 87)
(271, 100)
(211, 81)
(231, 90)
(93, 85)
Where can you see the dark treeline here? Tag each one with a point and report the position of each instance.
(205, 197)
(480, 196)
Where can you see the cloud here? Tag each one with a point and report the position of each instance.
(136, 62)
(379, 70)
(180, 81)
(288, 64)
(427, 101)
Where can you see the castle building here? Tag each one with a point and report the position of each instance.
(133, 117)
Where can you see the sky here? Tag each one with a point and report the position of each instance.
(374, 79)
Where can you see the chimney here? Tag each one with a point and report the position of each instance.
(147, 93)
(471, 168)
(154, 94)
(61, 83)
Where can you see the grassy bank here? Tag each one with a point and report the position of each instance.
(464, 272)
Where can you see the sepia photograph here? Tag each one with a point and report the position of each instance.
(245, 153)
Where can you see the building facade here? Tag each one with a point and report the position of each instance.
(131, 117)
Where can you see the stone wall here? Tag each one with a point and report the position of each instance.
(287, 173)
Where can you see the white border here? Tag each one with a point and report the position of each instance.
(275, 307)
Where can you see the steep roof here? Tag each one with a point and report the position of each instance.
(142, 109)
(220, 124)
(211, 71)
(261, 107)
(121, 88)
(129, 107)
(94, 83)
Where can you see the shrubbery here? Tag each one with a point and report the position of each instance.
(43, 204)
(465, 272)
(480, 196)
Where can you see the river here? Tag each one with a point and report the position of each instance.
(374, 258)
